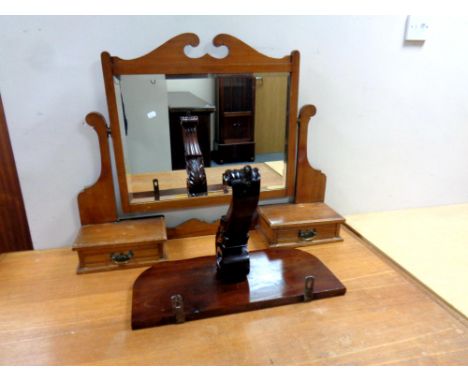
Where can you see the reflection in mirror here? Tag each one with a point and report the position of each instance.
(242, 119)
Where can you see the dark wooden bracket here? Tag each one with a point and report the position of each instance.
(177, 291)
(97, 203)
(232, 255)
(156, 191)
(310, 182)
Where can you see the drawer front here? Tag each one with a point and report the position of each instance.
(308, 234)
(125, 258)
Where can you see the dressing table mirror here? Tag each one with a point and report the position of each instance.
(245, 105)
(176, 124)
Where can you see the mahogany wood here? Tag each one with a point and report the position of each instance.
(50, 316)
(310, 183)
(171, 59)
(183, 104)
(97, 203)
(195, 168)
(14, 228)
(277, 277)
(234, 134)
(232, 256)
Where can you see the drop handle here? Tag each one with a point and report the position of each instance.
(307, 234)
(121, 258)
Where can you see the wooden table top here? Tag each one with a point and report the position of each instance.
(50, 315)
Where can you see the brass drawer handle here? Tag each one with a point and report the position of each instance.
(307, 234)
(121, 258)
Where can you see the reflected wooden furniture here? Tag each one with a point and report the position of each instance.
(51, 316)
(182, 104)
(235, 119)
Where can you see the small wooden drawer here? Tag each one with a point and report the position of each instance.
(120, 245)
(296, 225)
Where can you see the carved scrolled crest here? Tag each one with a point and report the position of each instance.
(170, 58)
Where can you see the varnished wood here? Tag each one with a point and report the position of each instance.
(111, 236)
(297, 215)
(310, 183)
(97, 203)
(52, 316)
(299, 224)
(292, 124)
(192, 227)
(137, 242)
(14, 228)
(232, 255)
(170, 58)
(277, 277)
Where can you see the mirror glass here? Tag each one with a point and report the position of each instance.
(239, 119)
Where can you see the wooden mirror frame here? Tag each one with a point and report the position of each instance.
(170, 58)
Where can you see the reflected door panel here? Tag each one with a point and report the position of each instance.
(271, 113)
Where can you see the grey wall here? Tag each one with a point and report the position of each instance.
(147, 139)
(391, 129)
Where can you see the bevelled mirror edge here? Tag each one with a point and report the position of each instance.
(170, 58)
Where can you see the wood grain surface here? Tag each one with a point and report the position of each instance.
(310, 182)
(276, 277)
(49, 315)
(114, 235)
(14, 228)
(97, 203)
(170, 58)
(296, 215)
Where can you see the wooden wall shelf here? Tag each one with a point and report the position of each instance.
(174, 292)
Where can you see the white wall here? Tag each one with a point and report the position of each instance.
(391, 129)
